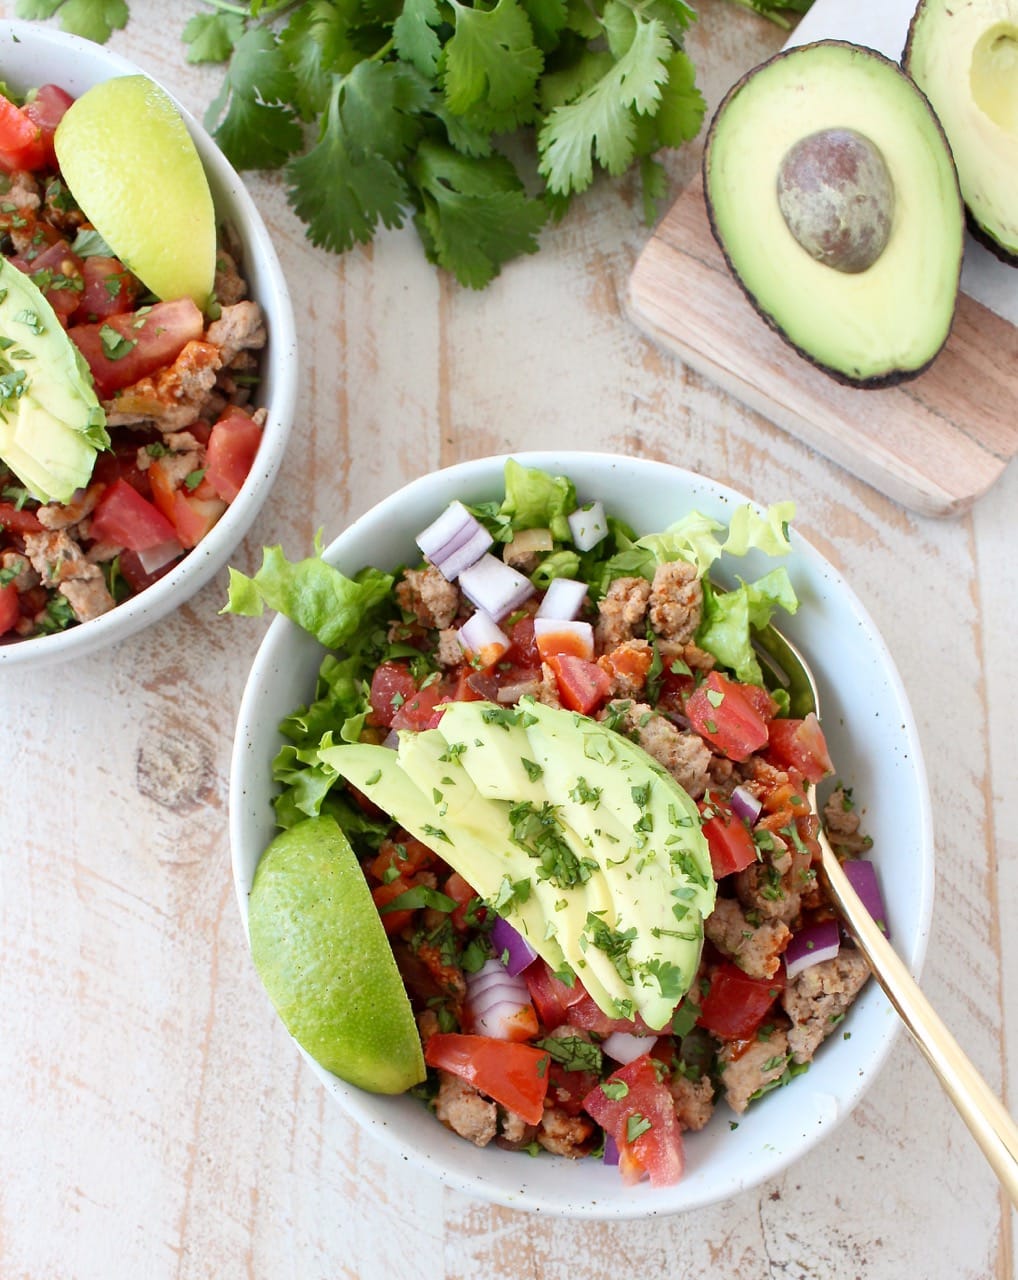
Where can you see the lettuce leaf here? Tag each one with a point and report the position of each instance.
(315, 595)
(730, 617)
(536, 500)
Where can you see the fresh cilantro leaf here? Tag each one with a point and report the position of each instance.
(473, 214)
(415, 33)
(547, 19)
(211, 37)
(319, 41)
(350, 180)
(251, 118)
(599, 124)
(682, 107)
(491, 61)
(775, 10)
(94, 19)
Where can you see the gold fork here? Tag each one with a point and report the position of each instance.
(980, 1108)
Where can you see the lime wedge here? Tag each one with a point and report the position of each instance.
(322, 954)
(129, 161)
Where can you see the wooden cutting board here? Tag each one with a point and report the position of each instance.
(935, 443)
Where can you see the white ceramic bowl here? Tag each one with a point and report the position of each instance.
(32, 55)
(872, 738)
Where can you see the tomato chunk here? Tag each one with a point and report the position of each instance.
(728, 839)
(801, 745)
(391, 684)
(123, 348)
(724, 716)
(21, 141)
(231, 452)
(552, 998)
(637, 1109)
(582, 685)
(515, 1075)
(45, 111)
(736, 1005)
(125, 518)
(10, 608)
(18, 520)
(108, 288)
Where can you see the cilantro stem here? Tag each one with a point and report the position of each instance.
(384, 51)
(241, 10)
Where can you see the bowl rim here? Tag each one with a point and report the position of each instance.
(282, 631)
(202, 562)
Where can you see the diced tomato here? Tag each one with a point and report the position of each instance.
(552, 998)
(503, 675)
(639, 1112)
(391, 684)
(421, 709)
(231, 451)
(567, 1089)
(762, 702)
(522, 643)
(800, 744)
(10, 607)
(586, 1014)
(21, 141)
(23, 521)
(515, 1075)
(383, 894)
(57, 273)
(736, 1005)
(406, 855)
(582, 685)
(46, 110)
(725, 716)
(469, 911)
(123, 348)
(462, 689)
(552, 643)
(728, 839)
(108, 289)
(125, 518)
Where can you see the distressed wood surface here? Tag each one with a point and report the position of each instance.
(154, 1119)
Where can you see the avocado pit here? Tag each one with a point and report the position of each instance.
(836, 196)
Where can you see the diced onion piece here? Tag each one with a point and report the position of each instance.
(528, 542)
(563, 599)
(816, 942)
(482, 638)
(588, 525)
(624, 1047)
(153, 558)
(862, 875)
(498, 1004)
(391, 740)
(454, 541)
(494, 587)
(611, 1150)
(510, 945)
(554, 635)
(745, 805)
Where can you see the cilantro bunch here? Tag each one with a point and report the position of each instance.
(383, 110)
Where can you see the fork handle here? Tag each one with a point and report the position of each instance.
(980, 1108)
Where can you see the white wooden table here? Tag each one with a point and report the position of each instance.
(155, 1121)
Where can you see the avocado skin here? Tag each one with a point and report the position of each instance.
(975, 229)
(892, 377)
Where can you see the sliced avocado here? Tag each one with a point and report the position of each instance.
(51, 422)
(963, 54)
(832, 193)
(575, 835)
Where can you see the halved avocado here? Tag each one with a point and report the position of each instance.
(832, 192)
(963, 54)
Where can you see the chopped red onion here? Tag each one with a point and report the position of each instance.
(498, 1004)
(611, 1150)
(745, 805)
(482, 638)
(862, 875)
(494, 587)
(815, 942)
(624, 1047)
(588, 525)
(581, 637)
(454, 541)
(563, 599)
(391, 740)
(516, 952)
(153, 558)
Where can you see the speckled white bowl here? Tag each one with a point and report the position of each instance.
(872, 738)
(31, 54)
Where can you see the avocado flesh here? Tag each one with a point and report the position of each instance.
(51, 422)
(878, 326)
(963, 54)
(626, 914)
